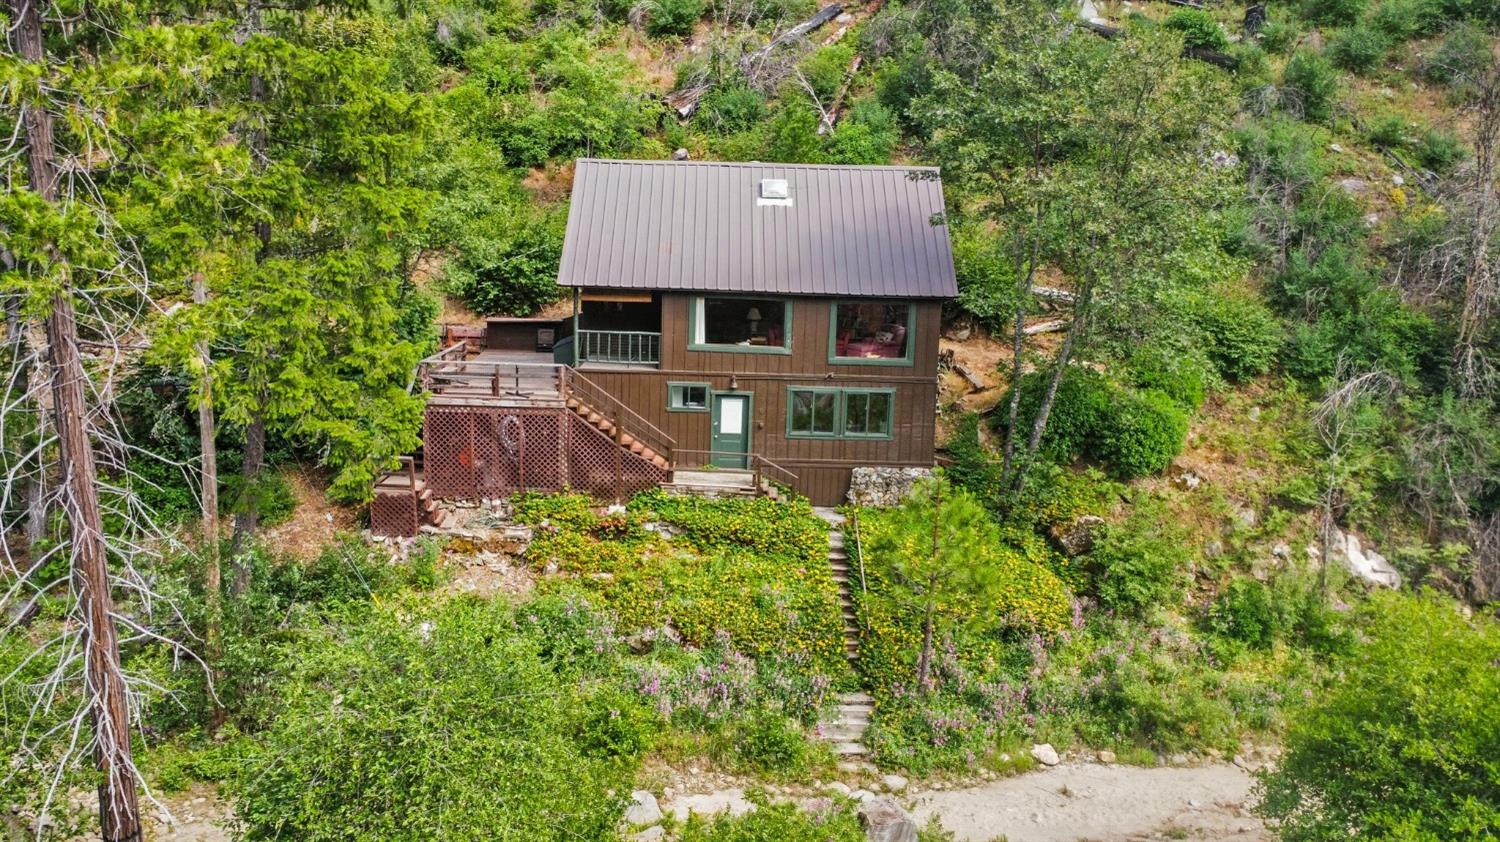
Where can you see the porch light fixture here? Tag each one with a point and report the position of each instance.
(734, 383)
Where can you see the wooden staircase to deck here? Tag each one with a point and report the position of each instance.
(607, 426)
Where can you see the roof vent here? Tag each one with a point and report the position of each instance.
(774, 191)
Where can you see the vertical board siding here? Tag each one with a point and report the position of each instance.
(822, 465)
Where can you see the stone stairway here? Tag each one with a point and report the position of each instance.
(845, 727)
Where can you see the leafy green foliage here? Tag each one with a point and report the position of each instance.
(673, 17)
(1130, 433)
(1333, 11)
(1357, 49)
(1403, 748)
(1310, 86)
(516, 275)
(1138, 564)
(778, 821)
(1243, 612)
(1183, 377)
(1240, 335)
(481, 706)
(1198, 28)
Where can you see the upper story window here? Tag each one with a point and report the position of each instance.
(872, 333)
(732, 323)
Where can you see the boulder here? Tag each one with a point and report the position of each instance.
(1045, 754)
(1106, 756)
(654, 833)
(643, 809)
(839, 787)
(1077, 538)
(885, 821)
(883, 487)
(1368, 565)
(863, 796)
(893, 783)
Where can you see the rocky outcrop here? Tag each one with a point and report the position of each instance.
(1076, 537)
(883, 487)
(1366, 564)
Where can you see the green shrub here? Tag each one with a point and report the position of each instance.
(1181, 376)
(515, 276)
(273, 495)
(422, 720)
(1310, 85)
(825, 68)
(1357, 49)
(1278, 36)
(1138, 564)
(616, 724)
(1083, 401)
(673, 17)
(1333, 11)
(1463, 52)
(1391, 130)
(1440, 151)
(1240, 335)
(778, 821)
(1400, 20)
(771, 743)
(866, 135)
(1144, 433)
(794, 132)
(730, 108)
(1243, 612)
(1198, 28)
(1404, 746)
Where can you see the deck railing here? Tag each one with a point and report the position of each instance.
(625, 419)
(629, 347)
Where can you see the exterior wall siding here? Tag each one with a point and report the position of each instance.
(822, 465)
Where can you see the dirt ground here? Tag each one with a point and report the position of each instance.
(1102, 803)
(314, 522)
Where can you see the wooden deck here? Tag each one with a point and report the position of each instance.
(496, 378)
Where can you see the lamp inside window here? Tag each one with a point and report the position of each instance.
(747, 322)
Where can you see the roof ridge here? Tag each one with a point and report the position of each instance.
(841, 167)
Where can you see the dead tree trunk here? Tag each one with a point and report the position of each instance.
(104, 680)
(685, 100)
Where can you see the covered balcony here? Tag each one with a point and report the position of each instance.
(616, 329)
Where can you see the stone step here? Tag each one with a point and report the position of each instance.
(850, 749)
(846, 734)
(856, 698)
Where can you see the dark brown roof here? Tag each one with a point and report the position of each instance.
(699, 226)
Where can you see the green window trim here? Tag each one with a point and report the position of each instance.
(833, 335)
(678, 389)
(695, 305)
(841, 413)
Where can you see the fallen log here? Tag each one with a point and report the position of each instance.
(1051, 293)
(1045, 327)
(1213, 57)
(831, 116)
(971, 377)
(685, 100)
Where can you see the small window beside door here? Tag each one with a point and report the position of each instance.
(839, 413)
(687, 397)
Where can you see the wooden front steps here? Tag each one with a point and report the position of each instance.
(598, 421)
(403, 504)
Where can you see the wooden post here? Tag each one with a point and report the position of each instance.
(614, 417)
(495, 384)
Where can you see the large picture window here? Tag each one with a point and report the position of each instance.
(741, 324)
(839, 413)
(871, 332)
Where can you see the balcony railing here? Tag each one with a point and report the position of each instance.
(627, 347)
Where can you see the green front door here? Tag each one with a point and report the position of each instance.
(731, 435)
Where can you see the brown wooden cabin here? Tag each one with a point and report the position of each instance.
(773, 321)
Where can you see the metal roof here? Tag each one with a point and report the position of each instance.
(705, 227)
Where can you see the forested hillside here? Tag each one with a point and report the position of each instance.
(1221, 437)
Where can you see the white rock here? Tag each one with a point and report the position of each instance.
(643, 809)
(893, 783)
(1368, 565)
(1334, 147)
(1397, 180)
(863, 796)
(839, 787)
(650, 834)
(1106, 756)
(1045, 754)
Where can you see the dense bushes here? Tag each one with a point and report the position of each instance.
(1132, 433)
(1310, 85)
(1240, 335)
(1404, 747)
(751, 569)
(1357, 49)
(1198, 28)
(426, 720)
(1139, 564)
(514, 275)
